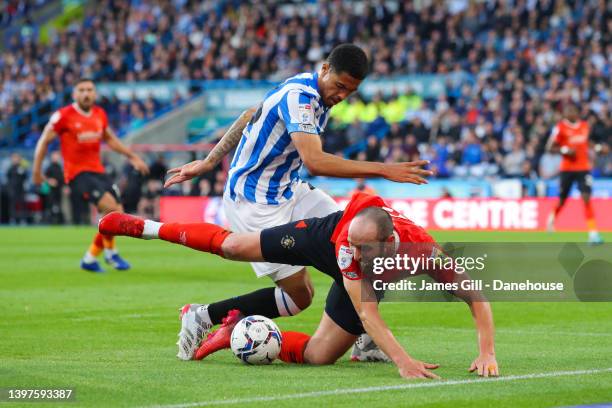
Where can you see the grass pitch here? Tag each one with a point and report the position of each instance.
(111, 336)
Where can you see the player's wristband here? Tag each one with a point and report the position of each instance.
(564, 150)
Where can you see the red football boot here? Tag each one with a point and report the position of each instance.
(220, 338)
(117, 223)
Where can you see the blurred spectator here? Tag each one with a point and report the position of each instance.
(54, 175)
(131, 185)
(158, 168)
(362, 187)
(513, 162)
(16, 177)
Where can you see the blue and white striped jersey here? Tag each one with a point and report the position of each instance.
(266, 164)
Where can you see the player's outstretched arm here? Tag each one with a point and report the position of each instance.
(320, 163)
(116, 145)
(198, 167)
(364, 301)
(486, 363)
(42, 146)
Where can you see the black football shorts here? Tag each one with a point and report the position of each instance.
(91, 187)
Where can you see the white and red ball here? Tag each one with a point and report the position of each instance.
(256, 340)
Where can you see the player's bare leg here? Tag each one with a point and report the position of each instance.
(328, 343)
(550, 225)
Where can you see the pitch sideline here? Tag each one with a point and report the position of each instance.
(430, 384)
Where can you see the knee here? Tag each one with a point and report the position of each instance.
(302, 298)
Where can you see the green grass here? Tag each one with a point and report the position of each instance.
(112, 336)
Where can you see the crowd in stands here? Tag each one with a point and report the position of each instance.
(526, 60)
(12, 10)
(460, 139)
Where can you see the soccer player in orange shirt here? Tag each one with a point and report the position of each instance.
(570, 137)
(81, 127)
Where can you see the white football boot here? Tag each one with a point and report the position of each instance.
(366, 350)
(195, 324)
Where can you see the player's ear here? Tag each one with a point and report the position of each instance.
(325, 68)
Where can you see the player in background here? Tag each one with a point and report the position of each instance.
(81, 127)
(338, 245)
(264, 188)
(570, 137)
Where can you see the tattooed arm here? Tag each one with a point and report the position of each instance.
(229, 140)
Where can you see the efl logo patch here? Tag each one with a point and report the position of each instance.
(345, 257)
(306, 113)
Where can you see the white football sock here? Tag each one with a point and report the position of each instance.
(286, 306)
(88, 257)
(108, 252)
(151, 229)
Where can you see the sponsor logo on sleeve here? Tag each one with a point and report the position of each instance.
(306, 114)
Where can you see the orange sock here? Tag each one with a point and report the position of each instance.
(590, 216)
(201, 236)
(108, 241)
(97, 245)
(292, 349)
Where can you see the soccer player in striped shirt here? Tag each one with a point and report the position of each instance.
(264, 188)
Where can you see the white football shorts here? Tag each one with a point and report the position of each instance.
(246, 216)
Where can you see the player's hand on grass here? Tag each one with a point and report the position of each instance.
(139, 165)
(418, 369)
(407, 172)
(186, 172)
(485, 365)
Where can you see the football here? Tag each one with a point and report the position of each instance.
(256, 340)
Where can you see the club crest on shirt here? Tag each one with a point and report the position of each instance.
(287, 242)
(345, 257)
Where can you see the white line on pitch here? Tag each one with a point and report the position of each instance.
(503, 331)
(429, 384)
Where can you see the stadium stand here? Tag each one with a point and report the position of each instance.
(525, 59)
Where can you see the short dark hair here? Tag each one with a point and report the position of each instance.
(349, 58)
(380, 218)
(83, 79)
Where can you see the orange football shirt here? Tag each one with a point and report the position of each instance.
(574, 136)
(80, 137)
